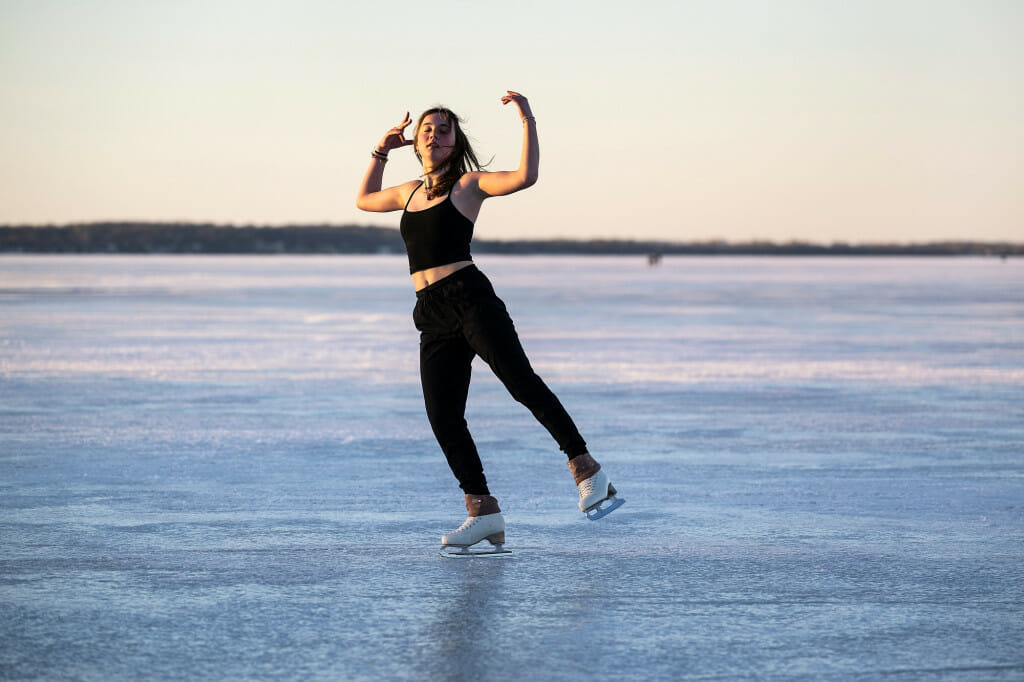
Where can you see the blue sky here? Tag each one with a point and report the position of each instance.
(821, 121)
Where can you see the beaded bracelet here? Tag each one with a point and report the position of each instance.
(379, 155)
(529, 118)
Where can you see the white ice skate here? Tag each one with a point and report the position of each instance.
(475, 529)
(597, 494)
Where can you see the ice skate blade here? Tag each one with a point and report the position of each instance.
(492, 552)
(604, 507)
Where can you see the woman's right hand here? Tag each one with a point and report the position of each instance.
(395, 138)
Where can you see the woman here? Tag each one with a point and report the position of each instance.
(458, 314)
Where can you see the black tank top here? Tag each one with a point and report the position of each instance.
(435, 236)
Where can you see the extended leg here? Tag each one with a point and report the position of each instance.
(491, 333)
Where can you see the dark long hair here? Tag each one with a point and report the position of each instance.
(461, 160)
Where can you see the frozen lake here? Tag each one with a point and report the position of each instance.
(220, 468)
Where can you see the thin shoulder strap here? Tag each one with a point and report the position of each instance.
(410, 195)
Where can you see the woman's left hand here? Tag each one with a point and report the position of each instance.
(520, 102)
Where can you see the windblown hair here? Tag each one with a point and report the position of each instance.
(461, 160)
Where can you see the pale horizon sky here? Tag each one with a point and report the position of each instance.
(779, 120)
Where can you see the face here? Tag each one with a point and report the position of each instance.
(435, 139)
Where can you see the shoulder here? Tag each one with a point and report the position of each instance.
(470, 182)
(406, 189)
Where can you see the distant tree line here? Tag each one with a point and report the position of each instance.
(135, 237)
(198, 238)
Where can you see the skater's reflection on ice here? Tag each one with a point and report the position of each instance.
(473, 625)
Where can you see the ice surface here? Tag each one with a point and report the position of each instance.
(219, 468)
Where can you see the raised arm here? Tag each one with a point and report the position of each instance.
(371, 197)
(506, 182)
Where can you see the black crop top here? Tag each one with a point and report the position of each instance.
(435, 236)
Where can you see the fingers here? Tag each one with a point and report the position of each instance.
(512, 96)
(395, 139)
(401, 129)
(396, 136)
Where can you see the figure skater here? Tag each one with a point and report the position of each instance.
(458, 314)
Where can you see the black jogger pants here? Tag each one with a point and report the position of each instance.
(460, 317)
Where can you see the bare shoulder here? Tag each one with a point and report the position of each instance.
(403, 192)
(391, 198)
(471, 181)
(406, 189)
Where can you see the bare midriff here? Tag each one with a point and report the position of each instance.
(424, 278)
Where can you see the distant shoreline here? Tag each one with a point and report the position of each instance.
(208, 238)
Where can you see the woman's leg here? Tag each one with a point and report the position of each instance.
(492, 335)
(445, 367)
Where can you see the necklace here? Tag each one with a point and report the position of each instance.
(428, 185)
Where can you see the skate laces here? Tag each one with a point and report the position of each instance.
(468, 523)
(588, 486)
